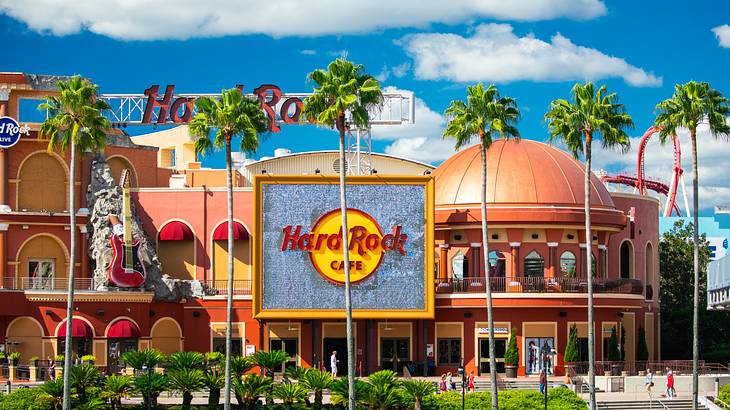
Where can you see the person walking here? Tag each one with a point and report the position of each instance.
(450, 381)
(333, 363)
(649, 382)
(671, 393)
(442, 384)
(543, 381)
(470, 386)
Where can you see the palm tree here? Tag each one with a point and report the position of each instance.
(187, 381)
(74, 123)
(418, 389)
(691, 105)
(341, 90)
(140, 359)
(290, 393)
(115, 388)
(53, 392)
(150, 386)
(340, 392)
(249, 389)
(214, 381)
(486, 115)
(232, 115)
(384, 390)
(241, 364)
(83, 377)
(592, 113)
(316, 381)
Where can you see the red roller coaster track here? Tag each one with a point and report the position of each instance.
(644, 184)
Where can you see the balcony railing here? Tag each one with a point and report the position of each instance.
(220, 287)
(210, 287)
(540, 285)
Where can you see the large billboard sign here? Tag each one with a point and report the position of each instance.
(299, 269)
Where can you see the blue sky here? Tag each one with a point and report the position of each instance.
(534, 50)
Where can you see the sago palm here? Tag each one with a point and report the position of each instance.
(241, 365)
(340, 392)
(214, 381)
(592, 113)
(53, 392)
(83, 377)
(150, 386)
(691, 105)
(485, 116)
(185, 360)
(186, 381)
(295, 372)
(270, 362)
(233, 115)
(141, 359)
(317, 382)
(75, 123)
(115, 388)
(384, 390)
(417, 390)
(249, 389)
(290, 393)
(343, 90)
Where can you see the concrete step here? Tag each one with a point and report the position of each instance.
(671, 404)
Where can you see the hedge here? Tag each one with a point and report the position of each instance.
(558, 399)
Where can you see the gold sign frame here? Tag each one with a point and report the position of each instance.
(428, 312)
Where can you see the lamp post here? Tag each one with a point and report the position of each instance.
(148, 402)
(463, 384)
(548, 356)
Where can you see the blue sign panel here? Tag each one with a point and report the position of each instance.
(10, 132)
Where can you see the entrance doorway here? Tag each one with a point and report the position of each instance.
(394, 353)
(115, 350)
(539, 351)
(290, 346)
(338, 344)
(500, 346)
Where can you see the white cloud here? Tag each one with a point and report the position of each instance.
(495, 53)
(401, 69)
(723, 35)
(155, 19)
(308, 52)
(712, 156)
(424, 149)
(384, 74)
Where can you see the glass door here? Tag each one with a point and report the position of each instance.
(500, 346)
(539, 353)
(394, 353)
(115, 350)
(290, 346)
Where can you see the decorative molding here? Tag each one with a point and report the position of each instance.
(444, 245)
(603, 247)
(117, 297)
(4, 94)
(552, 244)
(476, 244)
(515, 244)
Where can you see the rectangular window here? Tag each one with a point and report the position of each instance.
(449, 352)
(219, 345)
(42, 272)
(290, 346)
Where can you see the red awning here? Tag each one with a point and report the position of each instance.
(176, 231)
(123, 329)
(79, 329)
(221, 232)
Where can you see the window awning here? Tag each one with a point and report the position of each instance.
(221, 232)
(79, 329)
(176, 231)
(123, 329)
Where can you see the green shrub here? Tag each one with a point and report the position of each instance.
(558, 399)
(25, 399)
(511, 356)
(642, 351)
(571, 350)
(613, 353)
(724, 394)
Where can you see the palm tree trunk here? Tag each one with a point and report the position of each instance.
(589, 273)
(485, 251)
(71, 269)
(696, 267)
(229, 292)
(346, 261)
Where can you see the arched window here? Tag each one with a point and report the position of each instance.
(567, 264)
(459, 266)
(534, 265)
(649, 271)
(46, 171)
(496, 264)
(627, 260)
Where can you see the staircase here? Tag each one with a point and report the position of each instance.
(664, 404)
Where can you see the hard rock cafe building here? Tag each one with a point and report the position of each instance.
(536, 245)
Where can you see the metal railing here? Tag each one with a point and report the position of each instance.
(540, 285)
(678, 367)
(54, 284)
(241, 287)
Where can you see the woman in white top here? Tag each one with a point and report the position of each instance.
(649, 383)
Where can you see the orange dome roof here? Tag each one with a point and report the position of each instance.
(523, 172)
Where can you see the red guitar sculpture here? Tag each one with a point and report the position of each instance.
(127, 269)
